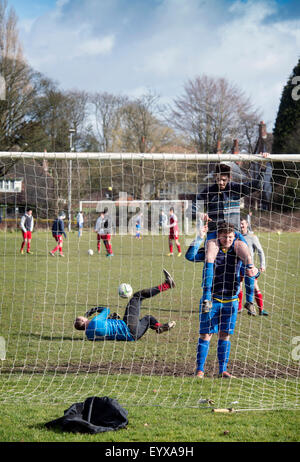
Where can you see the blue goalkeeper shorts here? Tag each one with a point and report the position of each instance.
(221, 317)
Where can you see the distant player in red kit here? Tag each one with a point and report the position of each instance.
(26, 227)
(174, 232)
(103, 232)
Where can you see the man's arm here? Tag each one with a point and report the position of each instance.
(260, 251)
(97, 309)
(22, 224)
(194, 252)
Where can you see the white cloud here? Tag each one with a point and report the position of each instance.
(121, 47)
(95, 46)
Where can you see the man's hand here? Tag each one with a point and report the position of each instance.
(203, 231)
(251, 270)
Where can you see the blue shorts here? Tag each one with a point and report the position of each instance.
(221, 317)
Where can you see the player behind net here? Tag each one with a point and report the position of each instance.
(106, 326)
(222, 202)
(221, 318)
(254, 246)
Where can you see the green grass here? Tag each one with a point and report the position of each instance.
(49, 365)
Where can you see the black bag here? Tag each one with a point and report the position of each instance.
(94, 415)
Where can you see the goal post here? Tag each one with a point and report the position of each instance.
(44, 359)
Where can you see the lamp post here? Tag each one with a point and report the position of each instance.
(71, 133)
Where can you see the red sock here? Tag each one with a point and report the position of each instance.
(56, 248)
(171, 247)
(108, 247)
(178, 248)
(28, 246)
(164, 286)
(259, 299)
(60, 249)
(98, 246)
(240, 300)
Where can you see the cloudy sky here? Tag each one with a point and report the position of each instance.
(131, 46)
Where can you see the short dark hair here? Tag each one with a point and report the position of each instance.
(225, 228)
(223, 169)
(172, 208)
(78, 324)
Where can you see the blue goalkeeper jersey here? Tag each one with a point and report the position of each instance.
(102, 328)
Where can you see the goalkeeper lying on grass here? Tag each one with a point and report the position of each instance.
(221, 318)
(106, 326)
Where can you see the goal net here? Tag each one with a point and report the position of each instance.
(43, 358)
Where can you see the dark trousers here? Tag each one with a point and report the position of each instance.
(138, 326)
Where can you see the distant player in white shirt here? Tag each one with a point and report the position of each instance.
(254, 246)
(80, 221)
(26, 225)
(103, 232)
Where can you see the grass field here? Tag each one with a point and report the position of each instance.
(49, 365)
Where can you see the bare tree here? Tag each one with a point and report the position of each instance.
(106, 108)
(19, 81)
(212, 110)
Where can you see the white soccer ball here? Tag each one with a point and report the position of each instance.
(91, 252)
(125, 290)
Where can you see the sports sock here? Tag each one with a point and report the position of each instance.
(208, 275)
(179, 248)
(259, 299)
(108, 247)
(164, 286)
(240, 300)
(249, 285)
(223, 352)
(171, 247)
(202, 352)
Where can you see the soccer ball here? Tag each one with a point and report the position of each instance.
(125, 290)
(91, 252)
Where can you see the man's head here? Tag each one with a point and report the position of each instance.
(222, 175)
(171, 210)
(80, 323)
(244, 226)
(62, 215)
(29, 211)
(226, 234)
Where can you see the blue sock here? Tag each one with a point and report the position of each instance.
(223, 354)
(208, 275)
(249, 285)
(202, 351)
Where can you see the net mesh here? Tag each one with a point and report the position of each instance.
(44, 359)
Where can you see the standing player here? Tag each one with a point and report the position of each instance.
(138, 225)
(222, 203)
(79, 221)
(58, 231)
(110, 327)
(254, 246)
(162, 220)
(222, 317)
(26, 225)
(102, 230)
(173, 233)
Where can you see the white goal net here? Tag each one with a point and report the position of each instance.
(141, 199)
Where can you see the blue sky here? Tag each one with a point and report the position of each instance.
(130, 46)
